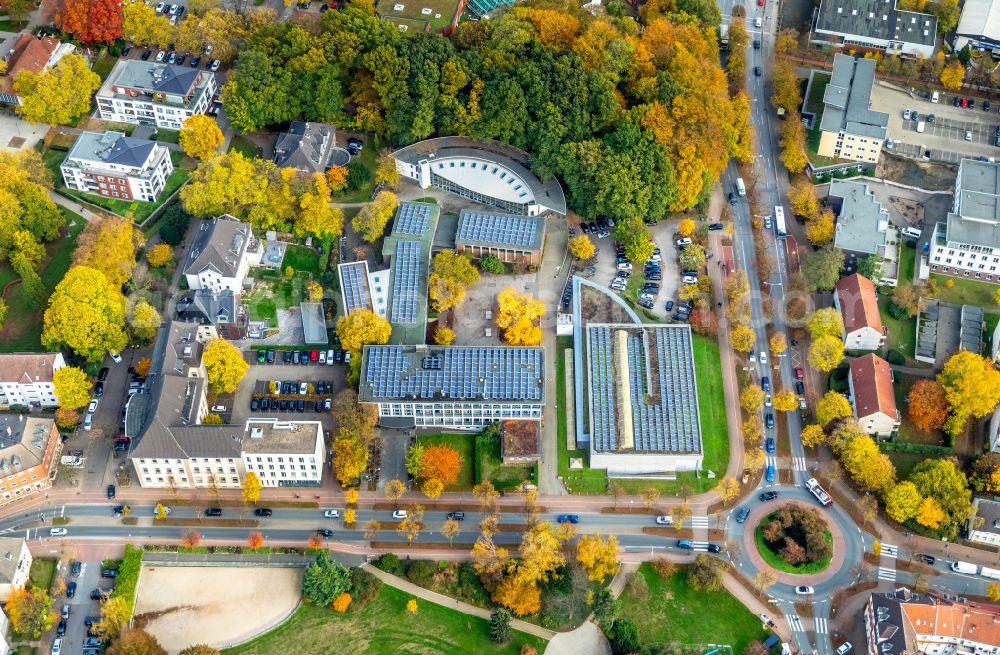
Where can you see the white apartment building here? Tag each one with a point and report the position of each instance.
(150, 93)
(15, 565)
(223, 252)
(26, 379)
(968, 243)
(284, 453)
(850, 128)
(116, 166)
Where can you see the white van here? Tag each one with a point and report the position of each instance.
(757, 22)
(88, 422)
(921, 125)
(741, 188)
(964, 567)
(935, 97)
(911, 232)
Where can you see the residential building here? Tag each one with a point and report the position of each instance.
(171, 447)
(29, 453)
(488, 173)
(849, 128)
(309, 148)
(902, 622)
(519, 442)
(967, 244)
(35, 54)
(856, 300)
(15, 565)
(462, 388)
(360, 288)
(509, 238)
(872, 398)
(875, 24)
(223, 252)
(863, 227)
(218, 313)
(979, 26)
(984, 525)
(150, 93)
(26, 379)
(116, 166)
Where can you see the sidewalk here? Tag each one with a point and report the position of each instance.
(73, 206)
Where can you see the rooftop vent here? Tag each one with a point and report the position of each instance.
(256, 433)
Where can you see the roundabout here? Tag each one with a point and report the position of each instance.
(794, 539)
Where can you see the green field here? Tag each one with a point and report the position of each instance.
(902, 334)
(43, 571)
(367, 158)
(301, 259)
(383, 627)
(465, 444)
(964, 292)
(490, 467)
(244, 146)
(672, 612)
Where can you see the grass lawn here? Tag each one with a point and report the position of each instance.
(43, 571)
(902, 333)
(367, 158)
(301, 259)
(465, 444)
(907, 431)
(991, 319)
(907, 263)
(7, 25)
(906, 462)
(490, 467)
(23, 328)
(963, 291)
(104, 64)
(673, 612)
(776, 562)
(272, 292)
(168, 136)
(581, 481)
(244, 146)
(383, 627)
(814, 103)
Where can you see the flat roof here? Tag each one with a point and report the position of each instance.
(354, 286)
(452, 373)
(643, 396)
(876, 19)
(980, 18)
(280, 437)
(976, 216)
(413, 219)
(862, 221)
(847, 99)
(478, 228)
(408, 269)
(313, 323)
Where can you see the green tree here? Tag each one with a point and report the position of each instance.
(86, 314)
(870, 267)
(59, 95)
(225, 365)
(72, 387)
(500, 625)
(822, 268)
(324, 580)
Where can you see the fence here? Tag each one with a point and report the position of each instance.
(225, 559)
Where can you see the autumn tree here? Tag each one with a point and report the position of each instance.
(72, 387)
(60, 95)
(316, 216)
(143, 321)
(142, 24)
(225, 365)
(115, 614)
(742, 338)
(582, 247)
(802, 197)
(728, 489)
(444, 336)
(393, 491)
(190, 538)
(928, 408)
(441, 463)
(762, 580)
(831, 407)
(786, 93)
(451, 275)
(825, 322)
(597, 555)
(929, 514)
(907, 298)
(142, 366)
(67, 419)
(109, 246)
(370, 222)
(943, 479)
(984, 475)
(160, 255)
(649, 496)
(90, 21)
(450, 529)
(516, 316)
(752, 398)
(30, 611)
(821, 228)
(793, 144)
(706, 573)
(200, 136)
(251, 487)
(86, 314)
(786, 401)
(411, 606)
(199, 649)
(952, 75)
(971, 386)
(869, 467)
(362, 327)
(136, 642)
(826, 353)
(336, 178)
(778, 343)
(812, 435)
(349, 457)
(386, 172)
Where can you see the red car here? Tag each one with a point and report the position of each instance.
(760, 3)
(313, 356)
(798, 373)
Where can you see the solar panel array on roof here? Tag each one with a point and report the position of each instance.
(353, 283)
(664, 401)
(405, 270)
(412, 219)
(496, 228)
(480, 374)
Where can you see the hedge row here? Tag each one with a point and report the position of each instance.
(919, 448)
(128, 576)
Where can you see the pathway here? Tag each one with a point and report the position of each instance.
(73, 206)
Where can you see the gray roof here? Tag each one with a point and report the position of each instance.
(989, 510)
(151, 78)
(888, 622)
(23, 442)
(976, 216)
(305, 147)
(452, 373)
(970, 335)
(476, 228)
(220, 245)
(112, 148)
(313, 323)
(280, 437)
(876, 19)
(207, 307)
(10, 554)
(848, 96)
(861, 220)
(980, 18)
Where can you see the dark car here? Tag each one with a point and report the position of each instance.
(765, 383)
(769, 421)
(286, 356)
(768, 495)
(213, 511)
(568, 518)
(926, 559)
(714, 548)
(109, 573)
(301, 406)
(71, 588)
(956, 101)
(456, 516)
(97, 594)
(355, 142)
(103, 374)
(91, 642)
(195, 61)
(670, 305)
(800, 388)
(769, 444)
(585, 228)
(282, 405)
(715, 227)
(145, 54)
(732, 198)
(972, 104)
(126, 50)
(61, 628)
(262, 511)
(756, 44)
(254, 404)
(75, 568)
(99, 389)
(180, 60)
(270, 355)
(265, 404)
(325, 532)
(111, 491)
(757, 71)
(318, 406)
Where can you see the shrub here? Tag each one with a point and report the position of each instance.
(664, 567)
(636, 586)
(897, 312)
(797, 534)
(175, 224)
(358, 176)
(128, 575)
(895, 357)
(389, 562)
(624, 637)
(365, 587)
(421, 572)
(500, 625)
(492, 264)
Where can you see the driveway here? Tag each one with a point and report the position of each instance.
(16, 134)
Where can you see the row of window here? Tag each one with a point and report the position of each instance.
(13, 483)
(961, 254)
(987, 276)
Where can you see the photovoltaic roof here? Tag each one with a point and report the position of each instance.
(405, 282)
(412, 218)
(492, 229)
(452, 373)
(663, 395)
(353, 283)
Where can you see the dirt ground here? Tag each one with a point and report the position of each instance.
(925, 175)
(183, 606)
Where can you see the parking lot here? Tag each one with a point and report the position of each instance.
(256, 384)
(81, 605)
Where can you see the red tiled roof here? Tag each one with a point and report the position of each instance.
(31, 54)
(858, 303)
(872, 386)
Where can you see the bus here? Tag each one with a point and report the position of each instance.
(779, 221)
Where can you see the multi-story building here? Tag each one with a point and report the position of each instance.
(26, 379)
(284, 453)
(509, 238)
(856, 300)
(967, 244)
(979, 25)
(863, 227)
(160, 95)
(876, 24)
(29, 452)
(35, 54)
(223, 252)
(218, 313)
(984, 525)
(461, 388)
(309, 148)
(872, 398)
(903, 622)
(15, 565)
(117, 166)
(849, 128)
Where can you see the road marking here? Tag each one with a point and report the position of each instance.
(794, 622)
(887, 574)
(772, 460)
(699, 521)
(821, 626)
(889, 550)
(799, 463)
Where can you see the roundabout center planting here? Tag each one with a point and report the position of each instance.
(795, 539)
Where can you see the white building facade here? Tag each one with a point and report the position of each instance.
(284, 453)
(26, 379)
(968, 243)
(155, 94)
(116, 166)
(222, 254)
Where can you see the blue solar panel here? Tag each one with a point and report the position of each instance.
(504, 374)
(412, 219)
(500, 229)
(354, 283)
(405, 286)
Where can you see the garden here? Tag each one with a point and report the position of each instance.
(795, 539)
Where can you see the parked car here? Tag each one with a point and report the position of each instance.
(92, 407)
(799, 374)
(683, 243)
(844, 648)
(800, 388)
(254, 404)
(70, 590)
(768, 496)
(568, 518)
(746, 476)
(456, 516)
(715, 227)
(213, 511)
(263, 511)
(664, 520)
(286, 357)
(102, 375)
(109, 573)
(75, 568)
(99, 389)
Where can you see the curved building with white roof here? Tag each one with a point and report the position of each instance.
(488, 173)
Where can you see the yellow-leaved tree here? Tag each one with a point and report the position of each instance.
(930, 514)
(741, 338)
(972, 387)
(225, 365)
(72, 387)
(832, 406)
(200, 136)
(869, 467)
(820, 229)
(582, 247)
(160, 255)
(826, 353)
(598, 555)
(902, 502)
(516, 316)
(812, 436)
(349, 457)
(109, 246)
(371, 220)
(752, 398)
(362, 327)
(953, 75)
(786, 401)
(86, 314)
(59, 95)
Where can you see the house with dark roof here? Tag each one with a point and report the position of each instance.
(984, 524)
(223, 252)
(856, 300)
(876, 24)
(218, 313)
(872, 398)
(508, 237)
(849, 127)
(29, 454)
(35, 54)
(309, 148)
(151, 93)
(117, 166)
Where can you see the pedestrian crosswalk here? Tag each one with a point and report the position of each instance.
(771, 460)
(799, 463)
(699, 521)
(889, 550)
(886, 573)
(794, 622)
(821, 626)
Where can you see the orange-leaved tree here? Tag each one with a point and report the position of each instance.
(441, 463)
(928, 408)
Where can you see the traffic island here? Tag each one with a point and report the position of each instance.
(795, 539)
